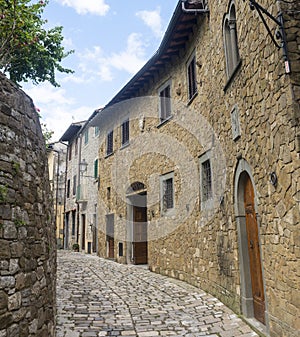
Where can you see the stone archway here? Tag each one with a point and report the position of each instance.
(251, 271)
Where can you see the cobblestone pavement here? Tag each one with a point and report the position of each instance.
(97, 297)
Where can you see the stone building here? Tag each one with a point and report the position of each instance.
(81, 185)
(57, 176)
(27, 228)
(199, 159)
(71, 207)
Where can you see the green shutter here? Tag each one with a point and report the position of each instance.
(96, 169)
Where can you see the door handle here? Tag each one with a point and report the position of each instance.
(251, 244)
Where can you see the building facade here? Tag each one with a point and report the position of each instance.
(57, 176)
(81, 184)
(71, 207)
(199, 160)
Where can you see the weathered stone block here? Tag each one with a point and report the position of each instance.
(4, 249)
(3, 300)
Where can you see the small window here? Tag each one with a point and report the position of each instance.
(68, 188)
(206, 181)
(86, 137)
(74, 184)
(96, 131)
(76, 146)
(110, 143)
(70, 151)
(167, 192)
(192, 80)
(231, 41)
(125, 132)
(165, 102)
(73, 222)
(96, 168)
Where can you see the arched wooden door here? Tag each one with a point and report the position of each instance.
(254, 253)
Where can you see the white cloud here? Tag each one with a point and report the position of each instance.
(45, 93)
(98, 7)
(133, 57)
(153, 20)
(96, 62)
(59, 118)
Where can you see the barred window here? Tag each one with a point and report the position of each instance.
(206, 181)
(167, 192)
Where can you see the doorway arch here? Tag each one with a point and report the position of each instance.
(253, 300)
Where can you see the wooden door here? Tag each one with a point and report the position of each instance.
(140, 245)
(254, 253)
(83, 232)
(110, 234)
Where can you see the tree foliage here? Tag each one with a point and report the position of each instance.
(27, 50)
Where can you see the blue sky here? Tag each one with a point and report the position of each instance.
(112, 40)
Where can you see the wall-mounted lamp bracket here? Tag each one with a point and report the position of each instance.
(280, 34)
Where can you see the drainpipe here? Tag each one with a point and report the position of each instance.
(194, 10)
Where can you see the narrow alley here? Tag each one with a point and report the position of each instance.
(98, 297)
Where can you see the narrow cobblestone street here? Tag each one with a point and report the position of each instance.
(97, 297)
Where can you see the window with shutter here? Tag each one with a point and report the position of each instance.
(191, 73)
(165, 102)
(110, 144)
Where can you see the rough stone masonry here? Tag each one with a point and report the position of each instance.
(27, 231)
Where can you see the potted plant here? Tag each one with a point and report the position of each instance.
(75, 247)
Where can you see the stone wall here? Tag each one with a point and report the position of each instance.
(206, 249)
(27, 231)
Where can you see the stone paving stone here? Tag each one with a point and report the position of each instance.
(98, 297)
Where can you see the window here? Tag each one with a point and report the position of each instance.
(68, 188)
(70, 151)
(191, 73)
(165, 102)
(76, 146)
(167, 192)
(231, 41)
(108, 193)
(86, 137)
(110, 143)
(206, 181)
(96, 131)
(96, 168)
(73, 222)
(125, 132)
(74, 184)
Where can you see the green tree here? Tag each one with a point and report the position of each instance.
(27, 50)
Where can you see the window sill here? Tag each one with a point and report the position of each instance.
(192, 98)
(232, 76)
(108, 155)
(168, 213)
(124, 146)
(165, 121)
(207, 205)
